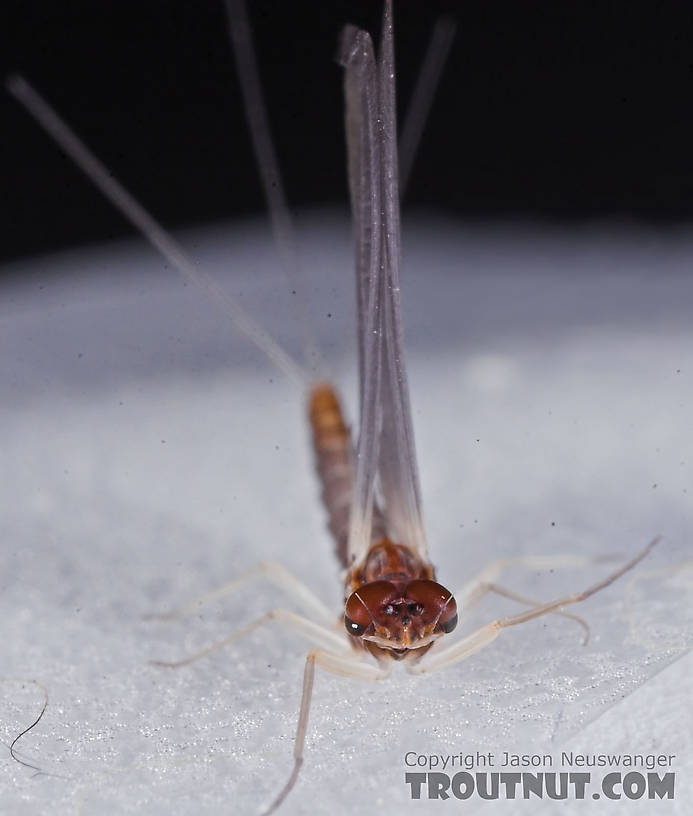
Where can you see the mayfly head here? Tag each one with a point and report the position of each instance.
(400, 615)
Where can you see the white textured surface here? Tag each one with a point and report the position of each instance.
(148, 454)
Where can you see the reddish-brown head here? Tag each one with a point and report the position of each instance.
(400, 615)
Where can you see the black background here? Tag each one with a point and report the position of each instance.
(553, 110)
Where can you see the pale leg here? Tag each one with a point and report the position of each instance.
(271, 571)
(467, 592)
(630, 592)
(473, 591)
(514, 596)
(484, 635)
(315, 632)
(343, 665)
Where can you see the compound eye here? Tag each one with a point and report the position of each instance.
(363, 606)
(448, 625)
(354, 628)
(448, 617)
(438, 605)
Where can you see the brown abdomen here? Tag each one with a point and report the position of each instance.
(333, 461)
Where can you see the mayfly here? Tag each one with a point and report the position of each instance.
(395, 610)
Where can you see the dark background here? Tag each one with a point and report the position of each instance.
(555, 111)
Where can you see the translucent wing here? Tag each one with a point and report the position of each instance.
(399, 475)
(385, 451)
(363, 153)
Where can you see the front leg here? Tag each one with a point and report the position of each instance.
(433, 661)
(468, 594)
(483, 589)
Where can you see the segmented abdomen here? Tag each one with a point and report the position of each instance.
(333, 461)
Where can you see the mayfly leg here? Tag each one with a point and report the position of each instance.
(344, 666)
(316, 633)
(271, 571)
(472, 591)
(642, 577)
(479, 639)
(504, 592)
(529, 562)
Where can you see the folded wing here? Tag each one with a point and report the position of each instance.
(385, 456)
